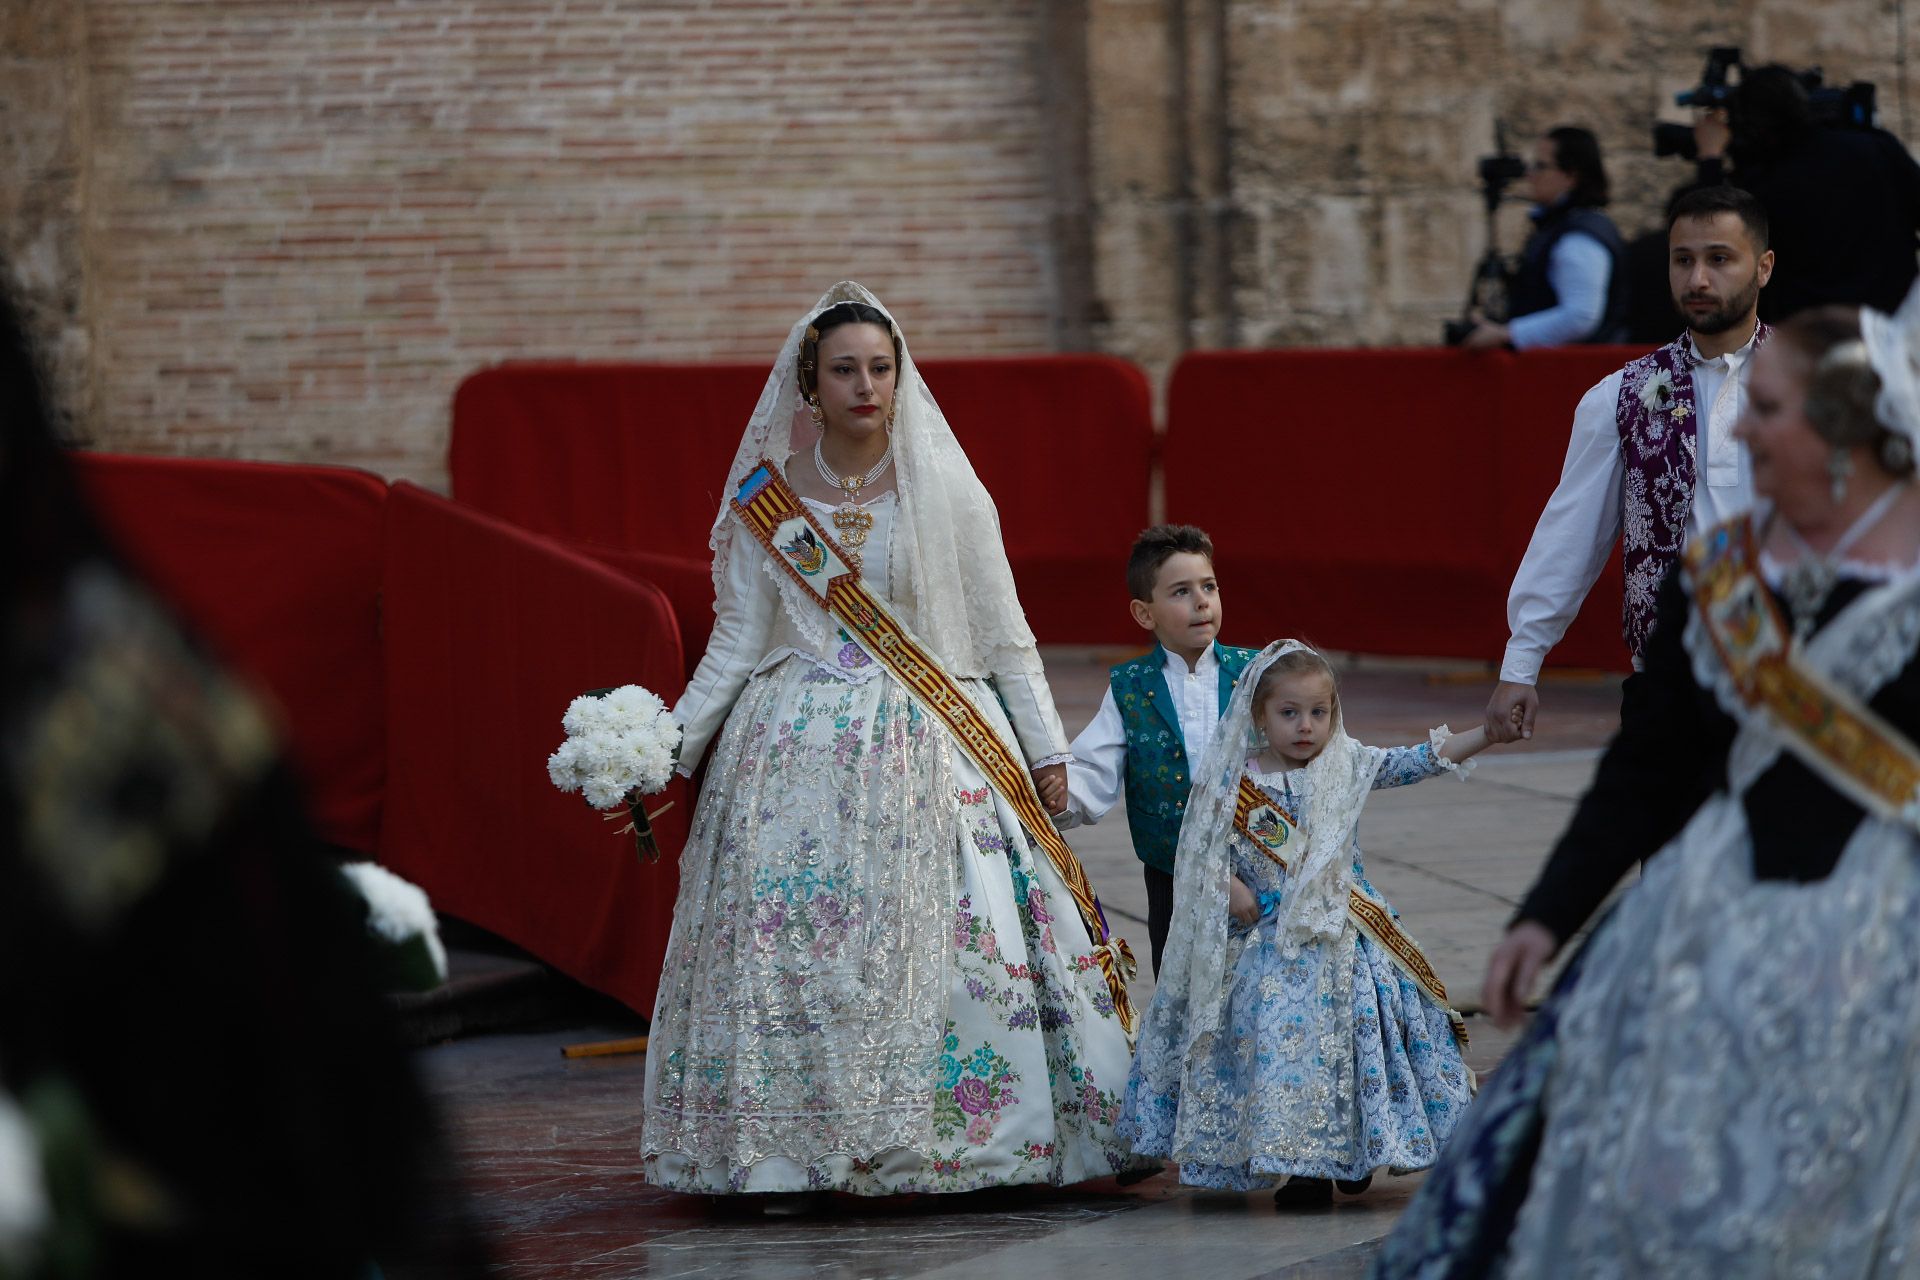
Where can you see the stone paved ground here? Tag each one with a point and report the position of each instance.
(550, 1145)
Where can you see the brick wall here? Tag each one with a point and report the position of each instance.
(310, 219)
(287, 228)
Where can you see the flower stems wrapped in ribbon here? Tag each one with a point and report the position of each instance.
(620, 747)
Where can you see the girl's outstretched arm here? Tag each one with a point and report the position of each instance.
(1466, 744)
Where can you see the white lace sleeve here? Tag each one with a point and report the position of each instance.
(1036, 723)
(742, 627)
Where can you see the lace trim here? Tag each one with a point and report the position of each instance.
(1047, 762)
(1436, 739)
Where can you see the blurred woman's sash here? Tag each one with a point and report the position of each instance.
(1827, 727)
(776, 518)
(1269, 828)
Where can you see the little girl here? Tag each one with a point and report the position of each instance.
(1296, 1033)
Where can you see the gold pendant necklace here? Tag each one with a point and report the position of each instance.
(851, 523)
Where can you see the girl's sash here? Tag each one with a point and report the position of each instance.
(1269, 828)
(781, 523)
(1827, 727)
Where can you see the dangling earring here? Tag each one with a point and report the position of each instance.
(815, 412)
(1839, 468)
(893, 410)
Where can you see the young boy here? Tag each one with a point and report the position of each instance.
(1160, 708)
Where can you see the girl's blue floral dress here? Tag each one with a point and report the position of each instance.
(1328, 1064)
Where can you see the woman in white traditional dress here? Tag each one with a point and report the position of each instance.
(878, 980)
(1724, 1083)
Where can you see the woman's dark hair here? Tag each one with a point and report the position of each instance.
(834, 317)
(1577, 152)
(1842, 386)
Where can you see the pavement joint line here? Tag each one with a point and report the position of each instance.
(1566, 755)
(1520, 788)
(1441, 877)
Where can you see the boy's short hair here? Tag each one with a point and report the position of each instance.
(1155, 546)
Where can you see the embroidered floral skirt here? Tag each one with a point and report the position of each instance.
(1332, 1063)
(1726, 1088)
(875, 984)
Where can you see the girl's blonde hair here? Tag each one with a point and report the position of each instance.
(1293, 663)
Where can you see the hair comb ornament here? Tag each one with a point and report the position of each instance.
(1892, 345)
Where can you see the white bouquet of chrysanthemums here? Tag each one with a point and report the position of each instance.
(621, 743)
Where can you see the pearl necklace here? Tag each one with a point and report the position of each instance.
(848, 519)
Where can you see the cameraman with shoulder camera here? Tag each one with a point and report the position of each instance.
(1843, 196)
(1570, 286)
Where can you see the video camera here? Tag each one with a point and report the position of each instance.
(1829, 107)
(1488, 291)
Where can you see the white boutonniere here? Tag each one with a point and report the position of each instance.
(1656, 393)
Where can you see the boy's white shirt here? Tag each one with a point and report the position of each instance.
(1097, 774)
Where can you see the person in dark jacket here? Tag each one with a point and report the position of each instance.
(1844, 202)
(1571, 282)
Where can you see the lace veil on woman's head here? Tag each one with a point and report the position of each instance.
(946, 561)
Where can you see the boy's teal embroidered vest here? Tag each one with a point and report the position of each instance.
(1158, 778)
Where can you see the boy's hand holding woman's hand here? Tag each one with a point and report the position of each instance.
(1051, 782)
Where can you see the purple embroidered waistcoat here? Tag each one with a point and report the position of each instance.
(1658, 425)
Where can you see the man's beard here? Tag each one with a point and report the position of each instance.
(1725, 317)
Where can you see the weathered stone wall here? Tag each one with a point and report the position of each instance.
(288, 228)
(1326, 193)
(43, 182)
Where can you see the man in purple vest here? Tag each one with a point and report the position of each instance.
(1652, 455)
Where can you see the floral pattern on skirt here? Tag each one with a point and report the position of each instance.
(875, 983)
(1332, 1062)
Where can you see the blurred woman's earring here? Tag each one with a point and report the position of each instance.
(893, 410)
(814, 411)
(1839, 467)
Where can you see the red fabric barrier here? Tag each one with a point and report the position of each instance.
(1380, 500)
(626, 462)
(490, 631)
(1065, 446)
(278, 569)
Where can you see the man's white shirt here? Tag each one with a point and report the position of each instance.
(1581, 522)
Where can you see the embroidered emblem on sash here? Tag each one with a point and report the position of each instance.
(1269, 828)
(806, 552)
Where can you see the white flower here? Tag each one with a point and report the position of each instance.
(24, 1211)
(619, 742)
(1656, 393)
(396, 909)
(630, 705)
(585, 714)
(563, 766)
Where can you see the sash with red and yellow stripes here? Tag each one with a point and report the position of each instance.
(1828, 728)
(1270, 829)
(781, 523)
